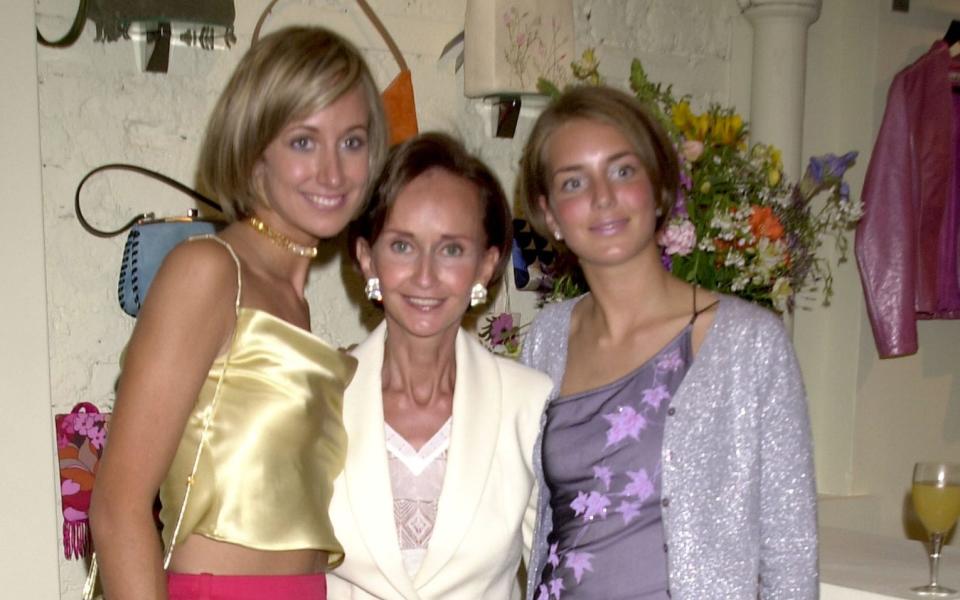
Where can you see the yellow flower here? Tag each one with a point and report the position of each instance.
(773, 177)
(700, 127)
(736, 123)
(727, 129)
(682, 115)
(587, 68)
(705, 188)
(776, 160)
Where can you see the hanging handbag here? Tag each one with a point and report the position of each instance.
(81, 434)
(150, 238)
(80, 437)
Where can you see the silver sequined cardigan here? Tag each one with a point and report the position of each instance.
(738, 496)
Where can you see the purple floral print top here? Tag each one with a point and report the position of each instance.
(601, 457)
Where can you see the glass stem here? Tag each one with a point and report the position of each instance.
(936, 544)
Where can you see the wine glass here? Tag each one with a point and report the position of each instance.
(936, 500)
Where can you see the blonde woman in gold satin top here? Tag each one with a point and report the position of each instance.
(227, 403)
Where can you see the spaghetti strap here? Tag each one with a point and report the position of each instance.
(208, 414)
(236, 260)
(697, 313)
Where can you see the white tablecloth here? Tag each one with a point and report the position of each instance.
(862, 566)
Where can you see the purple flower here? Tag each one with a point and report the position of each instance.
(556, 586)
(501, 328)
(624, 423)
(838, 165)
(666, 260)
(829, 167)
(815, 170)
(680, 206)
(590, 505)
(97, 437)
(554, 558)
(654, 396)
(579, 562)
(640, 484)
(603, 474)
(670, 362)
(628, 510)
(85, 422)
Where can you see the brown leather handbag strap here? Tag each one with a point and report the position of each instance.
(378, 25)
(263, 17)
(143, 171)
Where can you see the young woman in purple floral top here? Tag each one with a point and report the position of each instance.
(675, 459)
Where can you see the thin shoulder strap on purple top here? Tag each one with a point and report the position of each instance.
(697, 313)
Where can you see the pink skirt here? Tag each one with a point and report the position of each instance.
(185, 586)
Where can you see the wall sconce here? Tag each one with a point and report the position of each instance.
(155, 25)
(508, 46)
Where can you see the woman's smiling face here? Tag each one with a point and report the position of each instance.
(313, 173)
(601, 201)
(430, 253)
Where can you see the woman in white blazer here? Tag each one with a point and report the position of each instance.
(437, 497)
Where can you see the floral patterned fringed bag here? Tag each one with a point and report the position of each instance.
(81, 434)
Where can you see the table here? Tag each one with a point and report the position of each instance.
(863, 566)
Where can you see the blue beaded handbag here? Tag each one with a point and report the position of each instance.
(150, 238)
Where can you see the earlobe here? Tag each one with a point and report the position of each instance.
(258, 185)
(543, 204)
(490, 259)
(364, 258)
(548, 218)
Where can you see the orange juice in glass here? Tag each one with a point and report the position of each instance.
(936, 500)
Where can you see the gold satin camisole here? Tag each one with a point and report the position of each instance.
(263, 443)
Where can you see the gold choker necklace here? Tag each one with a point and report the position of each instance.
(282, 240)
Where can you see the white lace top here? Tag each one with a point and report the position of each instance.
(416, 478)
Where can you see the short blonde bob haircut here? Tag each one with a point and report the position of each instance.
(285, 76)
(612, 107)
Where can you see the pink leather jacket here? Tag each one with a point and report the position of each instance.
(906, 243)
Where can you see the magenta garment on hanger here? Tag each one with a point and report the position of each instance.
(949, 276)
(906, 243)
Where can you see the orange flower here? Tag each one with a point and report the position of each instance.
(763, 223)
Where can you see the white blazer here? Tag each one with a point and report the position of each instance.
(486, 510)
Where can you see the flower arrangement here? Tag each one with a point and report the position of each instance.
(738, 226)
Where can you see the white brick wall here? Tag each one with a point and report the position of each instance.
(97, 107)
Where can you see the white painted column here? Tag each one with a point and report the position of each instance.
(779, 71)
(28, 505)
